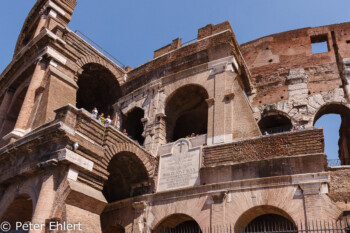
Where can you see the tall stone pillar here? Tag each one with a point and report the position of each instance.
(139, 217)
(45, 202)
(218, 209)
(28, 103)
(220, 116)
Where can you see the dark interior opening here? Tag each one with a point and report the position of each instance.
(275, 123)
(99, 88)
(128, 177)
(187, 112)
(133, 124)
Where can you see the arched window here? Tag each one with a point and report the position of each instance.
(186, 112)
(133, 125)
(274, 122)
(128, 177)
(335, 120)
(99, 88)
(178, 223)
(20, 210)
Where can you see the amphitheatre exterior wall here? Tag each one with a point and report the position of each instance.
(66, 162)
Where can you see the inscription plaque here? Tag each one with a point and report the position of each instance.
(179, 169)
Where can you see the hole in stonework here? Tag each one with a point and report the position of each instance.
(274, 122)
(270, 60)
(348, 41)
(319, 44)
(282, 97)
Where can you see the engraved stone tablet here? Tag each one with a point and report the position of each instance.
(179, 169)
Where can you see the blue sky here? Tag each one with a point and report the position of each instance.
(132, 30)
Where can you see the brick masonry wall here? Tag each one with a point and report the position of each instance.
(339, 187)
(278, 145)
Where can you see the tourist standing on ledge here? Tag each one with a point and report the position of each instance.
(94, 113)
(108, 121)
(101, 118)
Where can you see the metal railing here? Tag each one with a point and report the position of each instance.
(99, 48)
(265, 227)
(334, 162)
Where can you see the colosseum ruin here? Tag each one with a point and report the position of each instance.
(207, 133)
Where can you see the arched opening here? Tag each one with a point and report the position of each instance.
(270, 222)
(128, 177)
(335, 120)
(12, 114)
(274, 122)
(20, 210)
(114, 229)
(99, 88)
(133, 125)
(178, 223)
(264, 219)
(187, 112)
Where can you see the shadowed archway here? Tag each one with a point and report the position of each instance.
(99, 88)
(132, 122)
(187, 112)
(128, 177)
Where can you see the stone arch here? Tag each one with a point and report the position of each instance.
(186, 106)
(344, 130)
(177, 221)
(98, 87)
(128, 177)
(274, 121)
(118, 73)
(332, 107)
(267, 212)
(145, 157)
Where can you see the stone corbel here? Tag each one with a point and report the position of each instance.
(139, 207)
(210, 102)
(219, 198)
(311, 188)
(160, 115)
